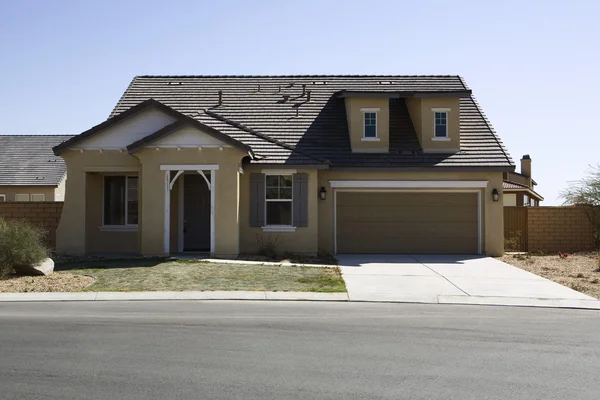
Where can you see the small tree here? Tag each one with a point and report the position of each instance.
(586, 191)
(20, 244)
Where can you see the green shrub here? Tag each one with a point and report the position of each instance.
(20, 244)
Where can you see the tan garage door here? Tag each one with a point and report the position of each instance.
(418, 223)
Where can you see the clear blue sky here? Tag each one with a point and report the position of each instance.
(533, 65)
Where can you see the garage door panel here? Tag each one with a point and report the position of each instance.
(407, 223)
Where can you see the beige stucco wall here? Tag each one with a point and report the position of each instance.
(303, 240)
(72, 229)
(422, 116)
(11, 191)
(226, 195)
(493, 217)
(59, 192)
(355, 119)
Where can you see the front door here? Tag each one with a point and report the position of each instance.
(196, 213)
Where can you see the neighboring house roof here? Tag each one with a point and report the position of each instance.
(517, 187)
(299, 132)
(28, 160)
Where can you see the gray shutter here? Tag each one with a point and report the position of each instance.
(300, 200)
(257, 200)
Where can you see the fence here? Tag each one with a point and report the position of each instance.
(44, 214)
(548, 229)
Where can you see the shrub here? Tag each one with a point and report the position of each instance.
(20, 244)
(267, 245)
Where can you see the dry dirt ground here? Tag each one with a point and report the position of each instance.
(56, 282)
(580, 271)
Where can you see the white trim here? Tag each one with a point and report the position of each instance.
(278, 200)
(211, 167)
(205, 178)
(279, 228)
(278, 171)
(370, 139)
(174, 179)
(376, 122)
(441, 138)
(180, 215)
(167, 219)
(409, 184)
(21, 194)
(3, 197)
(371, 110)
(118, 228)
(113, 168)
(441, 110)
(479, 209)
(213, 177)
(189, 146)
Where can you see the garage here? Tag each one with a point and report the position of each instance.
(407, 222)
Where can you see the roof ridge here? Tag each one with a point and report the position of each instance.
(301, 76)
(36, 134)
(492, 130)
(464, 83)
(260, 135)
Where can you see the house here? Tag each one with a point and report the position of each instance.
(30, 170)
(519, 188)
(307, 164)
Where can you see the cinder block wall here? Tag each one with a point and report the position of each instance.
(553, 229)
(44, 214)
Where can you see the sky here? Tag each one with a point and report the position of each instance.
(534, 66)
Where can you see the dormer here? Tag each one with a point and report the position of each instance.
(437, 123)
(368, 124)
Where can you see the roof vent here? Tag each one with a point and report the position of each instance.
(319, 82)
(303, 90)
(259, 87)
(297, 112)
(174, 83)
(286, 97)
(386, 82)
(40, 178)
(279, 89)
(220, 97)
(308, 96)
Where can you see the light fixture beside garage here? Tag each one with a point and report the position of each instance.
(495, 195)
(323, 193)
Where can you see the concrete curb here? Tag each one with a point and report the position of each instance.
(520, 302)
(277, 264)
(149, 296)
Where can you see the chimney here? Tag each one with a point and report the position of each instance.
(526, 166)
(220, 97)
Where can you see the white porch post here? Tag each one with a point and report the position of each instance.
(167, 210)
(212, 211)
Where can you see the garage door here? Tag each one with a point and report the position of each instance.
(417, 223)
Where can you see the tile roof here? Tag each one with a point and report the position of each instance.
(301, 132)
(29, 160)
(508, 185)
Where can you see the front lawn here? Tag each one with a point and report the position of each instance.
(579, 271)
(159, 275)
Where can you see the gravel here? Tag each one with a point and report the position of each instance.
(56, 282)
(580, 271)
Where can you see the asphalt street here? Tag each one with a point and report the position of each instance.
(294, 350)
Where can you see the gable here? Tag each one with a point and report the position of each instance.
(189, 137)
(132, 129)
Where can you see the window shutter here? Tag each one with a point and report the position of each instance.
(300, 200)
(257, 200)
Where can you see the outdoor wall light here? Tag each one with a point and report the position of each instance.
(322, 193)
(495, 195)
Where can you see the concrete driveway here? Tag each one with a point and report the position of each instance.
(452, 279)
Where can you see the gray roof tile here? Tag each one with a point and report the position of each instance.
(29, 160)
(301, 132)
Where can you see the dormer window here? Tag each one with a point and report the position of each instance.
(370, 124)
(440, 123)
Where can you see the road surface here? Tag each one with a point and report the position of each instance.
(287, 350)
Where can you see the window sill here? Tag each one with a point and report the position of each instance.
(370, 139)
(279, 228)
(118, 228)
(440, 139)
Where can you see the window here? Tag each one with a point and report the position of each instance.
(370, 124)
(2, 198)
(526, 201)
(38, 197)
(21, 197)
(278, 198)
(441, 124)
(120, 200)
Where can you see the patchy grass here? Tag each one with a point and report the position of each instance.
(579, 271)
(160, 275)
(295, 258)
(57, 282)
